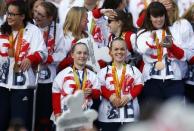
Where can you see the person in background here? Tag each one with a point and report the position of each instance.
(32, 4)
(22, 46)
(189, 15)
(45, 17)
(122, 26)
(75, 31)
(189, 82)
(136, 7)
(183, 32)
(2, 11)
(120, 85)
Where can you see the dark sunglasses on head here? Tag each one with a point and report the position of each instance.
(109, 21)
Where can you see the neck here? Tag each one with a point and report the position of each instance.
(17, 28)
(79, 67)
(118, 33)
(118, 65)
(90, 7)
(45, 25)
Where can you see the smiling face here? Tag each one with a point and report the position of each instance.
(157, 22)
(40, 16)
(84, 22)
(14, 17)
(118, 51)
(80, 55)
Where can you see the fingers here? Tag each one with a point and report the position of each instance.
(111, 15)
(87, 92)
(124, 100)
(115, 100)
(25, 64)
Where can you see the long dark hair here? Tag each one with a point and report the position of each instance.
(126, 19)
(155, 9)
(22, 8)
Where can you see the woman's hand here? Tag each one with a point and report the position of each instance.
(124, 100)
(57, 116)
(109, 13)
(115, 100)
(167, 42)
(87, 92)
(25, 64)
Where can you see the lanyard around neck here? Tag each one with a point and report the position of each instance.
(80, 83)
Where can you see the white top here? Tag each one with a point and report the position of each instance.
(64, 83)
(128, 113)
(56, 49)
(147, 47)
(32, 42)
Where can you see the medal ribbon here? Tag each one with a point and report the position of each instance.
(118, 84)
(18, 38)
(80, 84)
(159, 46)
(145, 4)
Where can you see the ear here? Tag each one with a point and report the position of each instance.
(72, 55)
(23, 17)
(110, 53)
(119, 22)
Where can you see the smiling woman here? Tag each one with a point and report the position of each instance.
(158, 45)
(120, 85)
(45, 17)
(73, 78)
(21, 46)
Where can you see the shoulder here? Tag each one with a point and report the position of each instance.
(90, 71)
(182, 23)
(31, 26)
(65, 71)
(143, 33)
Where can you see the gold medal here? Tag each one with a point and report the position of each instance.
(159, 65)
(16, 67)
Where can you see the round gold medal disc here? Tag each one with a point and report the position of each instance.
(159, 65)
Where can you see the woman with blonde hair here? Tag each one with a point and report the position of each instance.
(185, 38)
(189, 83)
(189, 15)
(74, 28)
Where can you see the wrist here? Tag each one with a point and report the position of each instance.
(112, 97)
(57, 115)
(129, 97)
